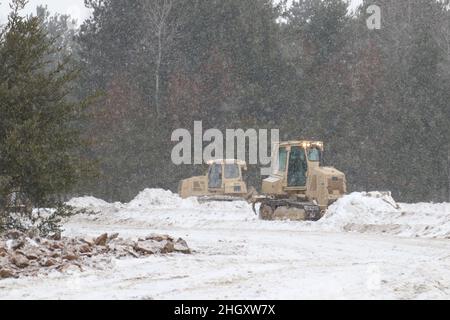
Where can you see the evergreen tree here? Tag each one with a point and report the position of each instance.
(38, 140)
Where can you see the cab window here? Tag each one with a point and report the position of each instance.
(314, 154)
(232, 171)
(215, 176)
(298, 167)
(282, 159)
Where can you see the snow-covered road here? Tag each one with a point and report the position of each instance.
(239, 257)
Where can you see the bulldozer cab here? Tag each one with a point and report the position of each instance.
(223, 178)
(222, 173)
(293, 160)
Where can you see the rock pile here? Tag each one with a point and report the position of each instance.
(21, 255)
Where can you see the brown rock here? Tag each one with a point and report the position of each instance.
(159, 238)
(20, 261)
(167, 247)
(6, 273)
(30, 255)
(85, 248)
(48, 262)
(34, 263)
(68, 268)
(127, 243)
(148, 247)
(17, 244)
(102, 240)
(89, 242)
(132, 253)
(70, 257)
(56, 245)
(4, 261)
(182, 247)
(113, 237)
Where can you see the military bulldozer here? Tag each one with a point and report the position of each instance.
(299, 188)
(223, 182)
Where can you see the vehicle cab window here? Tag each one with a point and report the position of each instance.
(314, 154)
(282, 160)
(215, 176)
(232, 171)
(298, 167)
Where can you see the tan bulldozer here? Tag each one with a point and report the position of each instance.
(299, 188)
(223, 182)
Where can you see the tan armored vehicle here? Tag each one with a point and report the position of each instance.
(299, 188)
(223, 182)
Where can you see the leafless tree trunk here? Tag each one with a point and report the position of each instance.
(157, 15)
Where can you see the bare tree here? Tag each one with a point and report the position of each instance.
(162, 29)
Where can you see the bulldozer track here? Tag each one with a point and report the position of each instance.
(312, 210)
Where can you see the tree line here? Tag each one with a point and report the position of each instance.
(379, 99)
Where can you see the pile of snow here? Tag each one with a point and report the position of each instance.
(365, 212)
(159, 199)
(157, 208)
(377, 212)
(88, 203)
(430, 220)
(365, 208)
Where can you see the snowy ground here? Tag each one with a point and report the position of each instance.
(367, 247)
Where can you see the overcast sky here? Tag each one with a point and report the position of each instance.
(73, 7)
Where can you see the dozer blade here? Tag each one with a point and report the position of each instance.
(219, 198)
